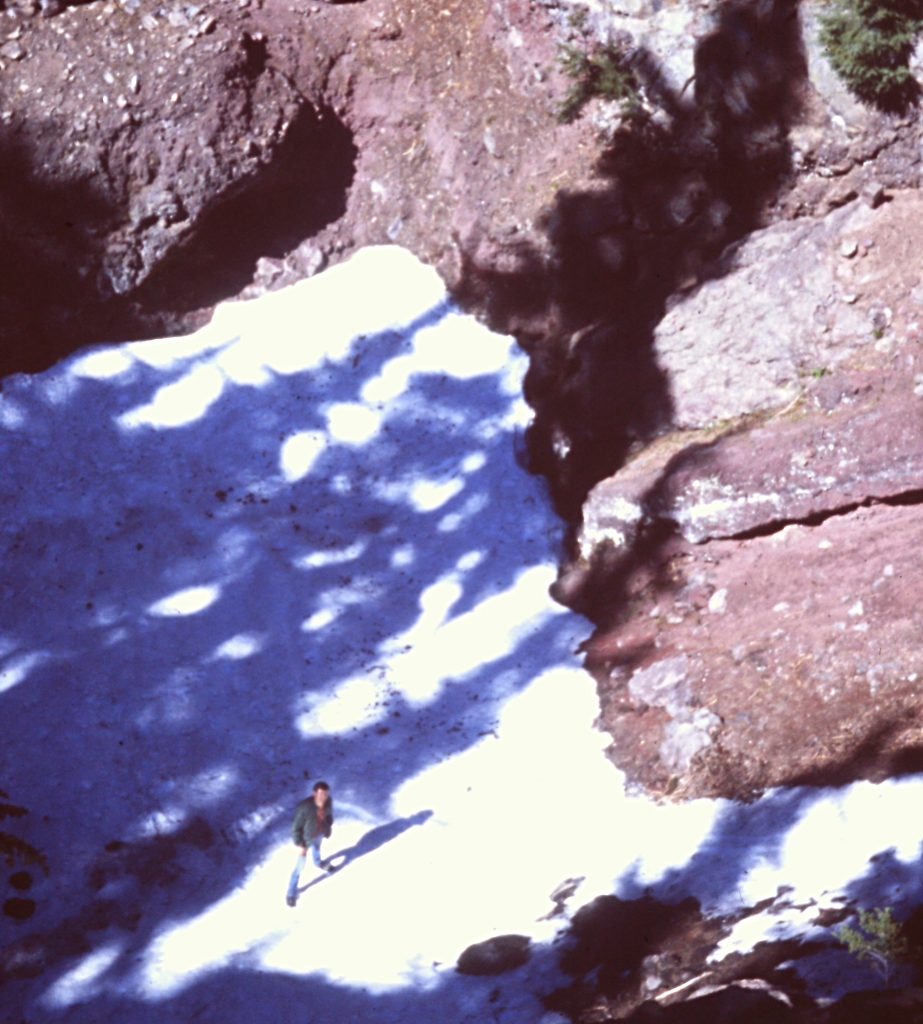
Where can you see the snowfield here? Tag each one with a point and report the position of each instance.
(299, 544)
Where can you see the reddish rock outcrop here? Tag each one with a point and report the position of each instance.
(157, 160)
(126, 132)
(195, 150)
(761, 619)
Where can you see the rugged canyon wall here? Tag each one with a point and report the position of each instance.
(761, 604)
(196, 150)
(751, 562)
(159, 158)
(720, 294)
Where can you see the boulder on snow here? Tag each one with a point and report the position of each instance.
(495, 956)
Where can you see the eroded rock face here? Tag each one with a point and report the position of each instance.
(162, 117)
(793, 656)
(763, 602)
(782, 305)
(193, 153)
(795, 470)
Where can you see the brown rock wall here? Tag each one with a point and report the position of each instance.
(801, 646)
(760, 609)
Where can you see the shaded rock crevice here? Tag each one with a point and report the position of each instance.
(293, 197)
(164, 117)
(772, 527)
(672, 191)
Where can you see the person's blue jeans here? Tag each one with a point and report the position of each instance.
(299, 866)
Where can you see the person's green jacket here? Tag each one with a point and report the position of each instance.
(305, 825)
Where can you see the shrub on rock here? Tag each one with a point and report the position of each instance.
(869, 44)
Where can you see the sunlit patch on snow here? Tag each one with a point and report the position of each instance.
(57, 387)
(106, 615)
(428, 495)
(162, 822)
(320, 559)
(463, 348)
(518, 417)
(167, 353)
(543, 732)
(392, 948)
(190, 601)
(236, 648)
(458, 346)
(299, 453)
(352, 423)
(469, 641)
(115, 636)
(179, 403)
(254, 823)
(11, 415)
(239, 363)
(320, 619)
(319, 321)
(103, 365)
(472, 507)
(209, 785)
(473, 462)
(337, 600)
(391, 382)
(402, 557)
(435, 602)
(85, 980)
(774, 925)
(831, 824)
(353, 704)
(234, 546)
(17, 669)
(397, 289)
(470, 560)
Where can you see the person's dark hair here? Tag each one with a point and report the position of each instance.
(321, 785)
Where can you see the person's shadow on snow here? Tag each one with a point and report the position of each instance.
(371, 841)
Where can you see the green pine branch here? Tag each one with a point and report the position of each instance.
(869, 44)
(604, 73)
(879, 939)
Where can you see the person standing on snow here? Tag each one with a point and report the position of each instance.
(312, 823)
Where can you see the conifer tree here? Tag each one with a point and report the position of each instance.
(869, 44)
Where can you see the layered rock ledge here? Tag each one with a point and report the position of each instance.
(758, 591)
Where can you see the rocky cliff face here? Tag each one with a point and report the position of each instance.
(721, 297)
(196, 150)
(763, 624)
(756, 561)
